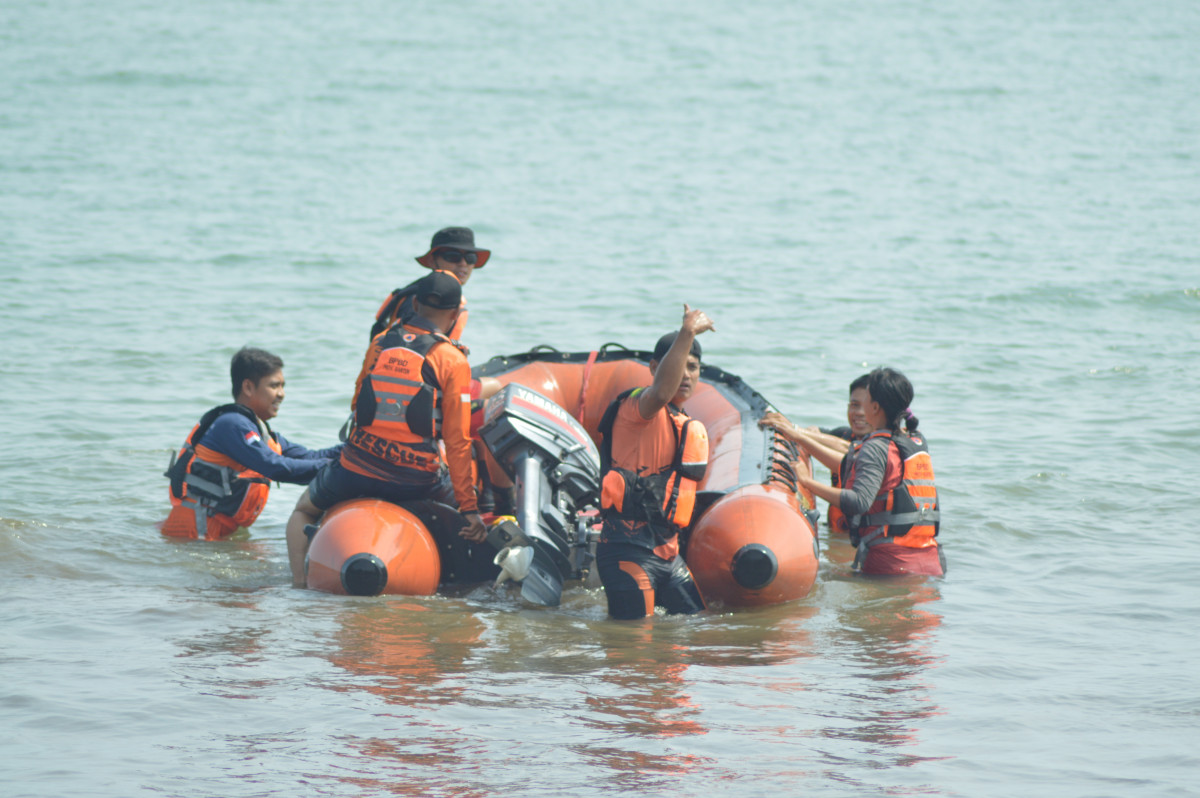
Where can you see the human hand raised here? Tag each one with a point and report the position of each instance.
(696, 321)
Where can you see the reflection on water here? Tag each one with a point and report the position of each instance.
(470, 683)
(476, 695)
(885, 637)
(408, 650)
(642, 694)
(415, 767)
(415, 656)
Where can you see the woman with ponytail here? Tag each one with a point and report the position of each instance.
(887, 491)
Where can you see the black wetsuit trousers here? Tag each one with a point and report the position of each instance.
(636, 580)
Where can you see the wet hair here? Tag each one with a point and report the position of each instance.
(252, 364)
(892, 391)
(664, 344)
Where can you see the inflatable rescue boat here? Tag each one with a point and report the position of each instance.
(752, 540)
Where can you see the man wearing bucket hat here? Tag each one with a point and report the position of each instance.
(413, 391)
(453, 250)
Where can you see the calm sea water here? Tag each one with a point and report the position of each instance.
(1002, 199)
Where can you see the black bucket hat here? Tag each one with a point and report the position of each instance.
(460, 238)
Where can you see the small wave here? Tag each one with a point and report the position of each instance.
(1070, 297)
(1119, 370)
(11, 532)
(1186, 300)
(136, 78)
(972, 91)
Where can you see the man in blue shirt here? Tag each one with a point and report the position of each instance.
(221, 477)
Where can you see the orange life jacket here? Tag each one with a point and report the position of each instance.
(212, 495)
(397, 413)
(668, 495)
(908, 515)
(835, 517)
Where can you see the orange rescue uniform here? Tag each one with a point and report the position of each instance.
(653, 466)
(401, 451)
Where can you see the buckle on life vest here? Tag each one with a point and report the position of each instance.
(922, 516)
(864, 546)
(216, 491)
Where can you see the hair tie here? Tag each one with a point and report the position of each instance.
(907, 413)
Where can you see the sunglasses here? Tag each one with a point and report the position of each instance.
(454, 256)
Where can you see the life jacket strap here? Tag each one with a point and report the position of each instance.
(642, 498)
(864, 546)
(387, 312)
(397, 380)
(177, 469)
(921, 517)
(398, 407)
(212, 492)
(202, 514)
(209, 487)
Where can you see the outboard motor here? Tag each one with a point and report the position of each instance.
(555, 467)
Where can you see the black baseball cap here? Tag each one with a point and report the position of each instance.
(439, 290)
(664, 344)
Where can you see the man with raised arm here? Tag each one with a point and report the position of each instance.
(652, 458)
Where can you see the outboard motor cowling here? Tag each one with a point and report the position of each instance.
(555, 467)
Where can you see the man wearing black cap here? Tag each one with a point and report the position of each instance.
(414, 389)
(652, 456)
(453, 250)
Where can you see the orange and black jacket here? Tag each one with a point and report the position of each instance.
(903, 504)
(664, 497)
(225, 466)
(413, 391)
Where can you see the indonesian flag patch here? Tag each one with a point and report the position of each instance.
(252, 437)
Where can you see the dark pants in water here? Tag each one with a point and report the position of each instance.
(636, 580)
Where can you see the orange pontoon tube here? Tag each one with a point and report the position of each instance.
(365, 547)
